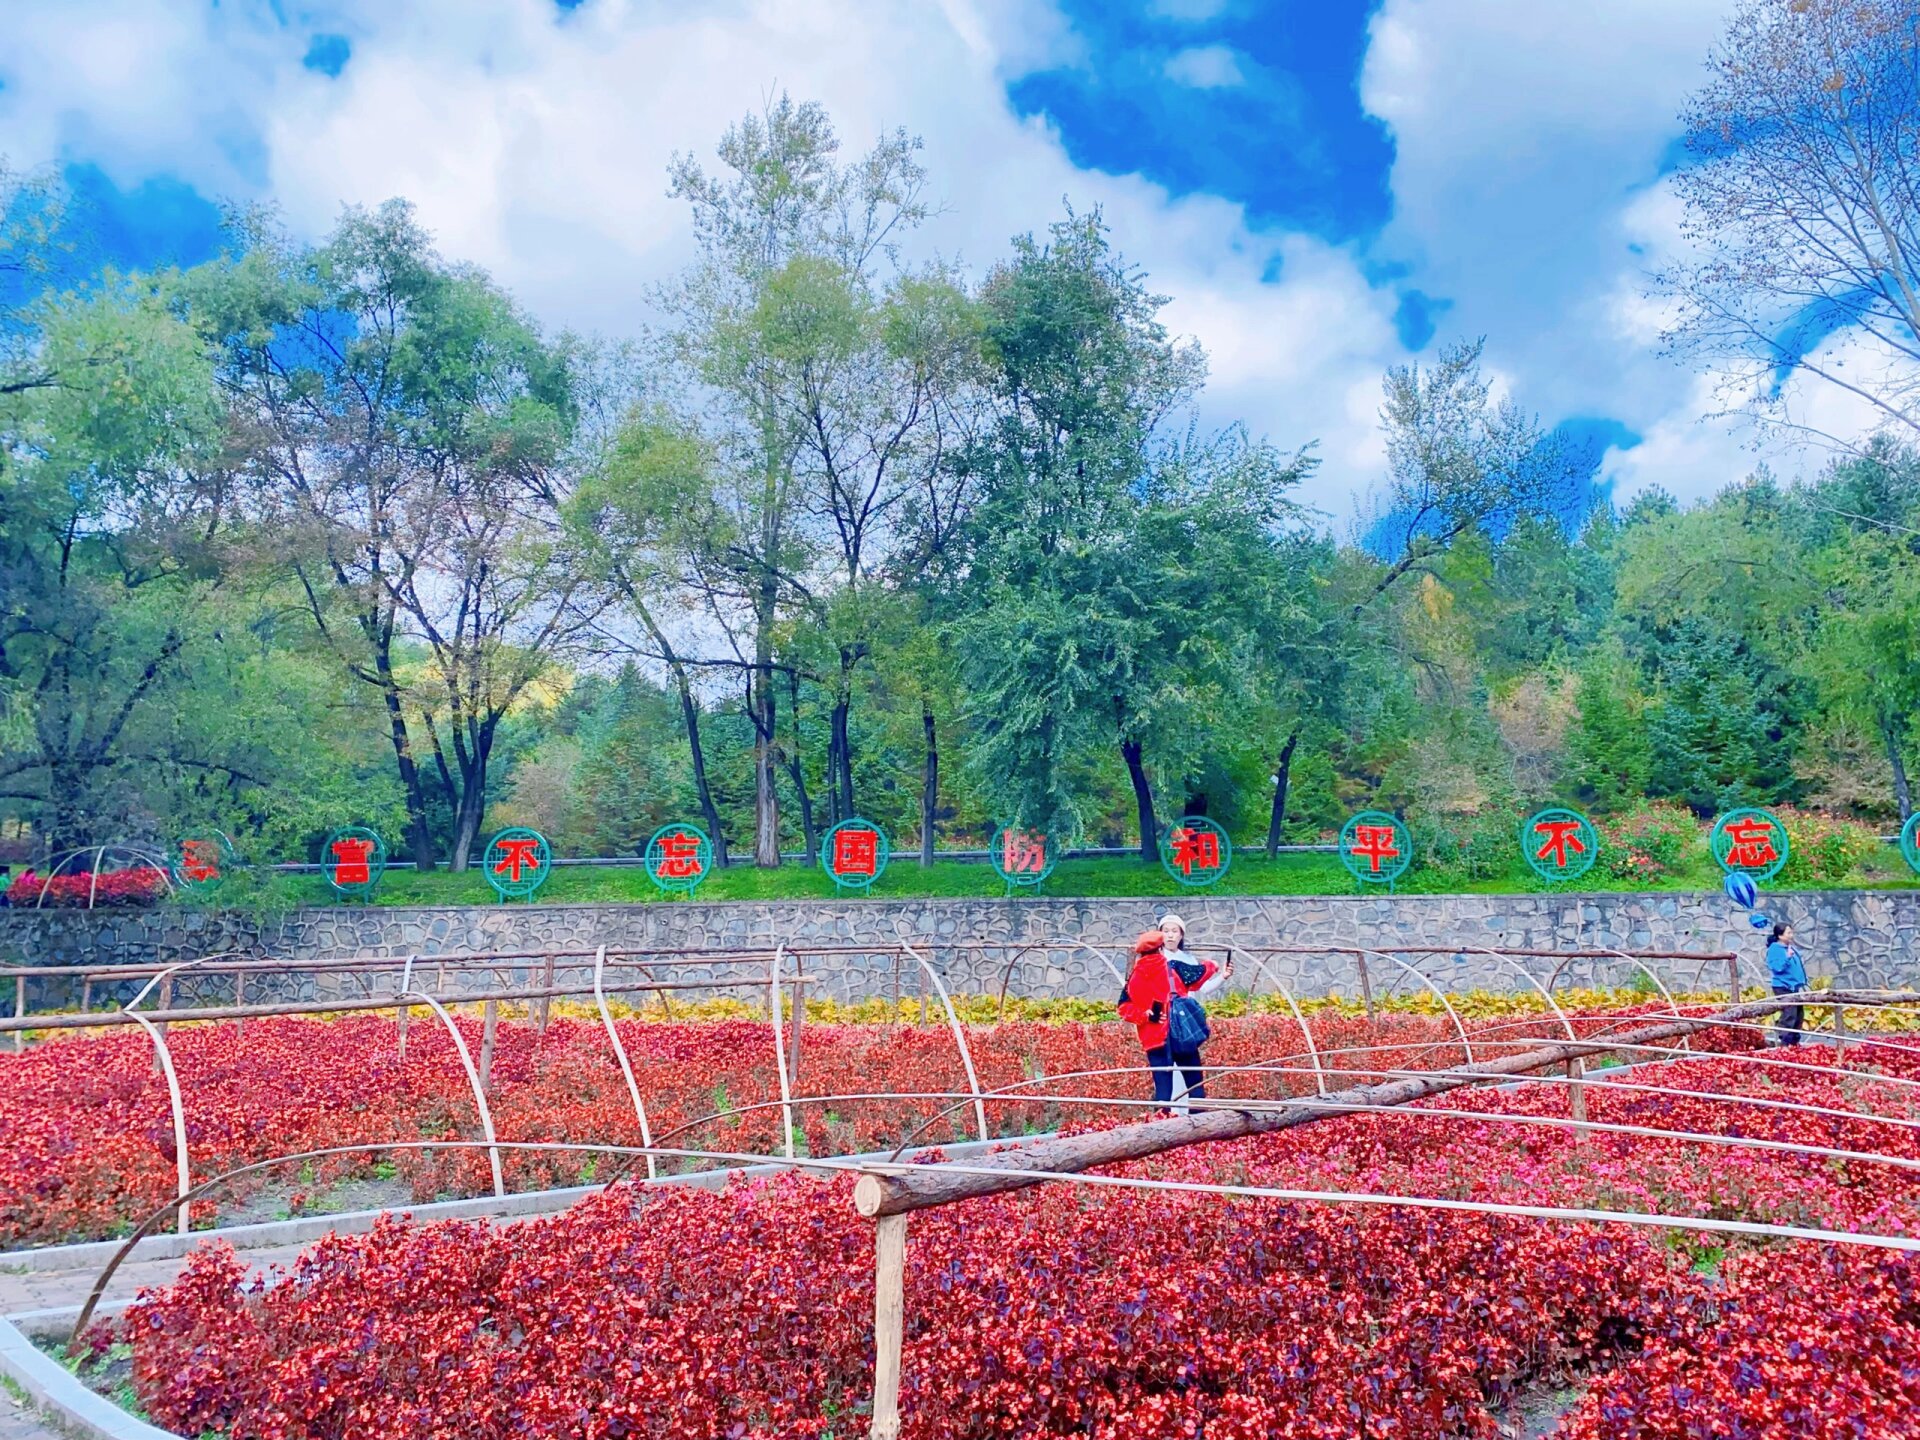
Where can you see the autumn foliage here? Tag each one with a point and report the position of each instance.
(1127, 1314)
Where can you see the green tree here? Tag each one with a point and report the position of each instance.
(404, 431)
(1081, 371)
(111, 501)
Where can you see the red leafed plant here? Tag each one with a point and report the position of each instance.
(1120, 1314)
(137, 885)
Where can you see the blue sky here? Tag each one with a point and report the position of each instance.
(1324, 189)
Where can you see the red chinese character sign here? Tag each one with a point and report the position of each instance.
(1910, 841)
(1375, 847)
(678, 857)
(517, 862)
(1559, 844)
(1195, 851)
(354, 860)
(854, 853)
(202, 862)
(1022, 857)
(1750, 842)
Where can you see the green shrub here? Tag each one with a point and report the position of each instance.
(1821, 847)
(1479, 846)
(1649, 842)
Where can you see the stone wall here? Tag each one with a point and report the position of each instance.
(1863, 937)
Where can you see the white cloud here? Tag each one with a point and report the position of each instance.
(1528, 141)
(1206, 67)
(538, 148)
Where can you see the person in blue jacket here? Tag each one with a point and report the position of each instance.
(1789, 974)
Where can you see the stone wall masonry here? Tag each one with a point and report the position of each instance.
(1866, 938)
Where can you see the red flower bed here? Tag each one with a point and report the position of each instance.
(1126, 1314)
(141, 885)
(90, 1133)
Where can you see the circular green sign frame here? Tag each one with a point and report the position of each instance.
(843, 844)
(1011, 854)
(517, 862)
(1365, 866)
(1910, 841)
(1195, 851)
(199, 872)
(1734, 843)
(667, 855)
(372, 863)
(1566, 832)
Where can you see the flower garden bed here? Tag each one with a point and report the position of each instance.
(1129, 1315)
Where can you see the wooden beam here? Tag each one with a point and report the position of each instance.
(921, 1187)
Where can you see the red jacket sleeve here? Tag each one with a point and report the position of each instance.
(1146, 987)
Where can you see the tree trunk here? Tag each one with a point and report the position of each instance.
(840, 768)
(419, 836)
(469, 814)
(797, 771)
(1282, 774)
(799, 778)
(1902, 791)
(690, 714)
(765, 709)
(929, 784)
(1143, 801)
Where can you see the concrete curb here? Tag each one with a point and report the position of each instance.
(60, 1397)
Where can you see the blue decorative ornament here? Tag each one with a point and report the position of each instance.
(1759, 921)
(1741, 889)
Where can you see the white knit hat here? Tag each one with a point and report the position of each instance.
(1172, 919)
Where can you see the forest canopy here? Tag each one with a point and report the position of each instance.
(333, 531)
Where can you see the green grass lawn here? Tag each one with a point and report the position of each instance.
(1252, 874)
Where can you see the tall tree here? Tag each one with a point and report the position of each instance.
(1802, 208)
(1458, 461)
(1076, 536)
(806, 382)
(112, 493)
(403, 426)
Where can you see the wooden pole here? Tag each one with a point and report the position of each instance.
(920, 1187)
(165, 1003)
(1577, 1095)
(239, 999)
(546, 1003)
(86, 994)
(405, 1010)
(894, 1018)
(19, 1011)
(492, 1023)
(889, 1323)
(799, 1023)
(1733, 978)
(1366, 990)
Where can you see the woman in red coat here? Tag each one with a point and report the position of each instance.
(1151, 986)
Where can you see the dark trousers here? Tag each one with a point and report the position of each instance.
(1787, 1026)
(1163, 1061)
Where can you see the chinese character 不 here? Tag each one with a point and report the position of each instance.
(1023, 853)
(1750, 843)
(1195, 848)
(352, 861)
(855, 852)
(200, 860)
(679, 856)
(517, 853)
(1562, 835)
(1374, 843)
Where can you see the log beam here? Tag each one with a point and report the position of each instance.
(920, 1187)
